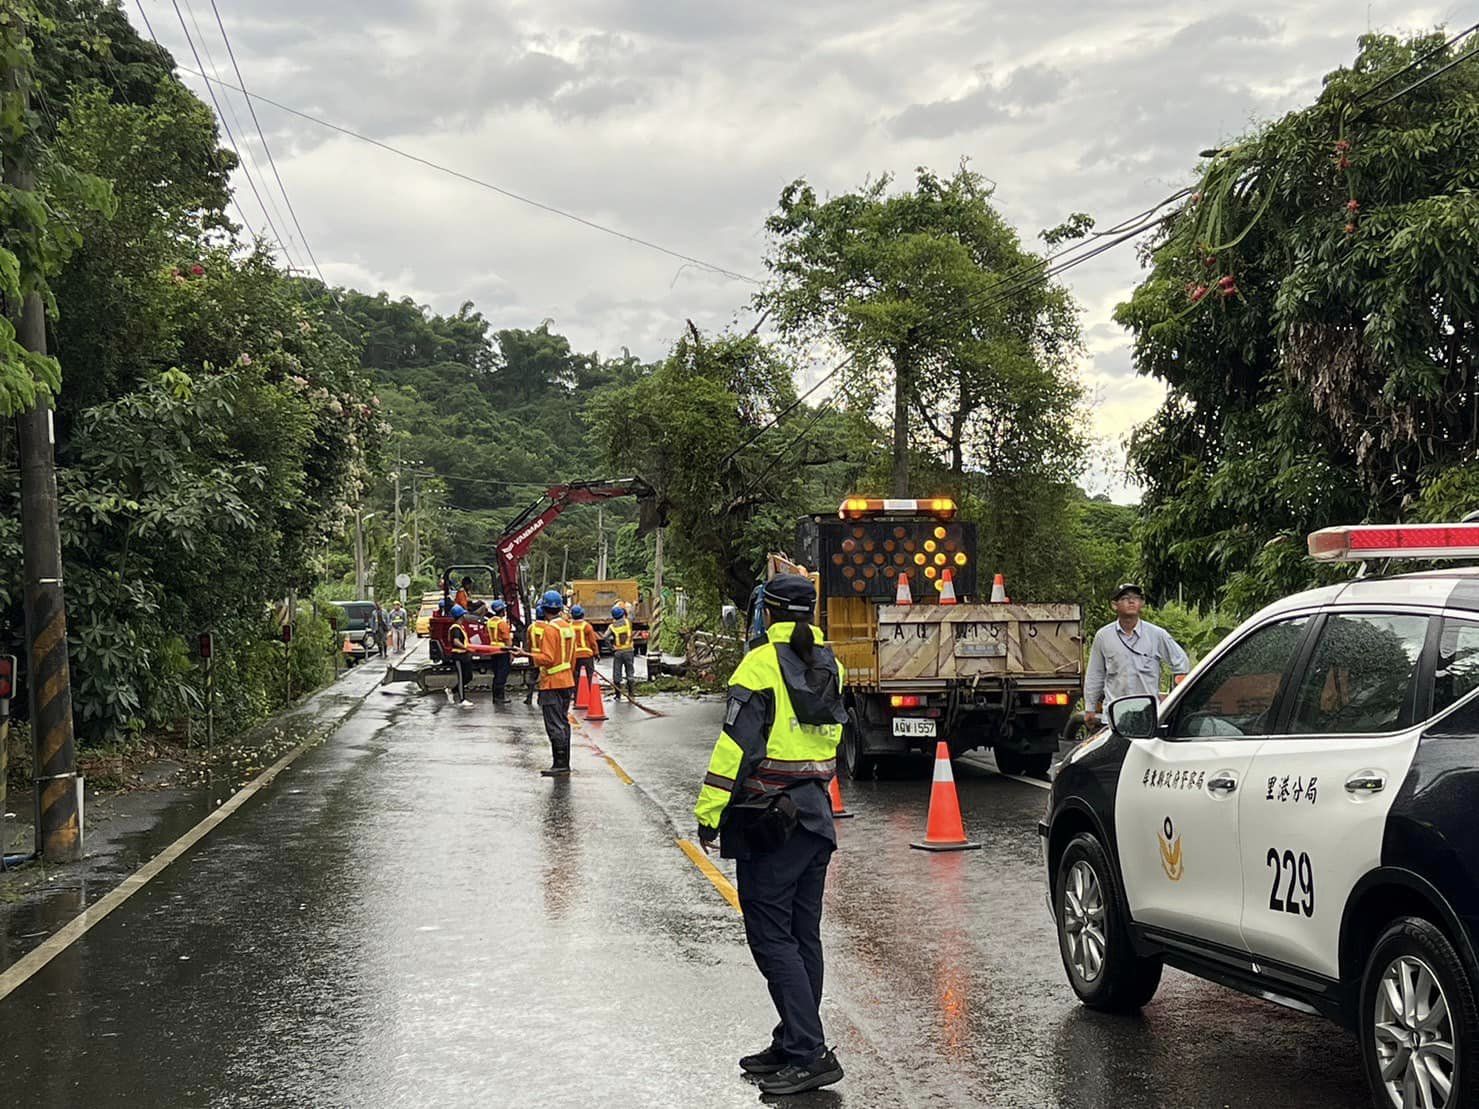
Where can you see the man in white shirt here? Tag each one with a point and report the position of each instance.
(1126, 655)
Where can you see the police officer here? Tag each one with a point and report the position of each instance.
(765, 800)
(623, 651)
(552, 649)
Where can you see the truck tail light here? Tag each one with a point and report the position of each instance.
(1058, 699)
(905, 700)
(1363, 541)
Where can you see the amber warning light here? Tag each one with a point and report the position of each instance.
(1363, 541)
(860, 508)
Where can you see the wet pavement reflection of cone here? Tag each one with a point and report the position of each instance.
(839, 812)
(582, 692)
(945, 830)
(594, 702)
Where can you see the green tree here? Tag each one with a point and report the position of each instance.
(1312, 311)
(912, 285)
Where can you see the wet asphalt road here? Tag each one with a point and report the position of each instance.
(411, 916)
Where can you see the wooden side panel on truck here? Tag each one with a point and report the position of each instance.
(932, 644)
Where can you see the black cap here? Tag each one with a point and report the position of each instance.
(1126, 587)
(790, 593)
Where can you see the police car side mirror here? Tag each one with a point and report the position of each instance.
(1135, 717)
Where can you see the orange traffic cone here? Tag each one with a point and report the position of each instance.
(947, 588)
(582, 692)
(945, 831)
(999, 590)
(835, 791)
(902, 595)
(595, 704)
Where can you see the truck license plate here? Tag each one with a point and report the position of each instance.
(980, 650)
(914, 726)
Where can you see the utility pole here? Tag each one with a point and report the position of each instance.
(396, 540)
(58, 823)
(415, 525)
(544, 574)
(565, 569)
(654, 638)
(600, 543)
(359, 555)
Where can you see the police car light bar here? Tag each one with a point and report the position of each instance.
(1365, 541)
(858, 508)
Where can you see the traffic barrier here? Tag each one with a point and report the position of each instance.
(944, 831)
(947, 588)
(839, 812)
(582, 692)
(999, 590)
(902, 595)
(595, 703)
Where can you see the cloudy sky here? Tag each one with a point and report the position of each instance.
(679, 121)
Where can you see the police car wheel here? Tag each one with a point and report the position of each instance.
(1418, 1021)
(1094, 934)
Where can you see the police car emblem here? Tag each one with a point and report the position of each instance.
(1170, 844)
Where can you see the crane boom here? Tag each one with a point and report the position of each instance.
(520, 534)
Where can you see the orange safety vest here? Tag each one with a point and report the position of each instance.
(500, 632)
(585, 639)
(457, 639)
(554, 653)
(621, 635)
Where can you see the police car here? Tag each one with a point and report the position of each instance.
(1299, 819)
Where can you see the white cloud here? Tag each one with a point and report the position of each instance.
(680, 122)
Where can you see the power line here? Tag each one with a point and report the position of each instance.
(244, 150)
(1410, 66)
(1460, 60)
(490, 186)
(227, 126)
(271, 161)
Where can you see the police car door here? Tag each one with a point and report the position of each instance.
(1314, 813)
(1176, 809)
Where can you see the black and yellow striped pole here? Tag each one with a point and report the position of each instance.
(58, 826)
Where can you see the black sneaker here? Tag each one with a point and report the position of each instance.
(556, 772)
(795, 1079)
(763, 1062)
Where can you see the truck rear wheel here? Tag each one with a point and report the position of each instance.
(850, 750)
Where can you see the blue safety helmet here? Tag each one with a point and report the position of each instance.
(458, 612)
(552, 601)
(617, 612)
(577, 612)
(498, 607)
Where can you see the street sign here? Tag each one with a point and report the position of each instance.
(7, 683)
(403, 581)
(287, 633)
(205, 644)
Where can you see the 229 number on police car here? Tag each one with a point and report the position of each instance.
(1287, 871)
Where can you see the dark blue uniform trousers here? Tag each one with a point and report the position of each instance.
(781, 895)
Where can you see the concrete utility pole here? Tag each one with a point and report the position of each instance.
(415, 525)
(654, 639)
(600, 543)
(359, 555)
(58, 824)
(396, 540)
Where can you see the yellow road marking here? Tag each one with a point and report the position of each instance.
(620, 773)
(711, 872)
(84, 921)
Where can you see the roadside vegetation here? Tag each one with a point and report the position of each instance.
(220, 423)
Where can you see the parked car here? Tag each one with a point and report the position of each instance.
(356, 630)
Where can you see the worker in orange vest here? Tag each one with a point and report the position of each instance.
(460, 656)
(553, 650)
(501, 636)
(587, 646)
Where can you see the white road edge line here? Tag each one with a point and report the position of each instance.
(25, 967)
(982, 764)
